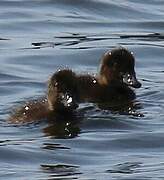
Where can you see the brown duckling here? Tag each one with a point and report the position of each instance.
(67, 89)
(114, 80)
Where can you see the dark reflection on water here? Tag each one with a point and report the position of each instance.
(67, 127)
(61, 170)
(100, 142)
(52, 146)
(71, 40)
(126, 168)
(130, 108)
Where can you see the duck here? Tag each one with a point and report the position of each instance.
(113, 84)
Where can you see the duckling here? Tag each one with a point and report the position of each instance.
(114, 81)
(67, 89)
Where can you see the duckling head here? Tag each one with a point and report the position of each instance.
(118, 66)
(61, 94)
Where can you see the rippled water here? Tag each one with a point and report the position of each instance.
(38, 37)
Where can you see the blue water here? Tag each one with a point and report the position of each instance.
(37, 38)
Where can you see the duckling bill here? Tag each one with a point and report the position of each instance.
(67, 89)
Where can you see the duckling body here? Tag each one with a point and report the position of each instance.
(33, 110)
(67, 89)
(91, 90)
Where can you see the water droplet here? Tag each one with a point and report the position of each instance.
(66, 129)
(108, 53)
(133, 112)
(131, 53)
(44, 100)
(69, 100)
(26, 108)
(94, 81)
(129, 80)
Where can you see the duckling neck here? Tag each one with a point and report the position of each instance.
(102, 80)
(106, 81)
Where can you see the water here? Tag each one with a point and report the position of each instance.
(37, 38)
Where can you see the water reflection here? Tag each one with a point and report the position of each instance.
(73, 39)
(69, 40)
(126, 168)
(69, 126)
(127, 108)
(65, 126)
(54, 146)
(63, 171)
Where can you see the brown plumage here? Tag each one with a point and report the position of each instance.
(67, 89)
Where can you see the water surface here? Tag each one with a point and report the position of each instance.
(39, 37)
